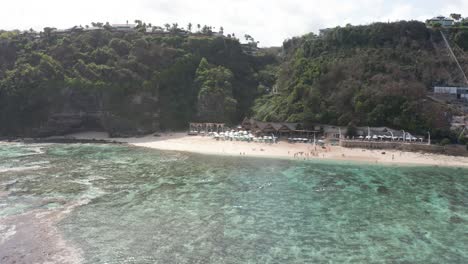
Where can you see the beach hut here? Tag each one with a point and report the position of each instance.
(333, 132)
(282, 129)
(264, 128)
(248, 124)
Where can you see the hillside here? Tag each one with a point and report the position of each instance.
(125, 83)
(130, 83)
(376, 75)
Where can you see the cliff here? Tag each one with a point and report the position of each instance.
(125, 83)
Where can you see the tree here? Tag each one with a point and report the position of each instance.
(457, 17)
(249, 38)
(215, 101)
(138, 22)
(351, 130)
(189, 27)
(121, 46)
(437, 25)
(206, 30)
(445, 142)
(175, 27)
(48, 32)
(167, 26)
(97, 24)
(221, 30)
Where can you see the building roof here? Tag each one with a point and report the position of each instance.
(124, 25)
(91, 28)
(441, 18)
(277, 126)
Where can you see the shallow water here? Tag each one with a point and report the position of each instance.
(149, 206)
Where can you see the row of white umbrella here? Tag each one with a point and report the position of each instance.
(242, 136)
(385, 137)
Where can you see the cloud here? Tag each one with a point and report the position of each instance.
(269, 21)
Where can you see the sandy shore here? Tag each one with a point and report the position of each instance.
(284, 150)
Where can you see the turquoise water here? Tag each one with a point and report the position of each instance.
(149, 206)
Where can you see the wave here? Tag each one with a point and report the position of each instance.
(22, 168)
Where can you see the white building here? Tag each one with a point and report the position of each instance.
(444, 21)
(459, 92)
(123, 27)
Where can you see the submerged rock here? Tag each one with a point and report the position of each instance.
(383, 190)
(364, 187)
(456, 219)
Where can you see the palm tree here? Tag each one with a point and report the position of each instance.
(189, 27)
(198, 26)
(167, 26)
(456, 16)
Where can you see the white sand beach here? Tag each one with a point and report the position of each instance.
(282, 149)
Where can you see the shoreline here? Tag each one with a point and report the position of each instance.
(281, 150)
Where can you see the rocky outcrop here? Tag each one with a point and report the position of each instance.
(90, 110)
(211, 107)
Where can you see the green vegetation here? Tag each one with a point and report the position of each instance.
(445, 142)
(375, 75)
(107, 72)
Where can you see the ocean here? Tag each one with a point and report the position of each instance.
(121, 204)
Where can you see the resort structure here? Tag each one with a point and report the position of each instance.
(458, 92)
(441, 20)
(324, 131)
(205, 128)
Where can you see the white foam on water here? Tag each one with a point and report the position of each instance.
(37, 150)
(6, 232)
(92, 192)
(21, 168)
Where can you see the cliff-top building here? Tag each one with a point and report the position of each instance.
(443, 21)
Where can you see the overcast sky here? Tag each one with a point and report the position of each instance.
(268, 21)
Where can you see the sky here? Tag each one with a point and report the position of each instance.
(268, 21)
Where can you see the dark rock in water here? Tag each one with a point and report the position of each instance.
(456, 219)
(383, 190)
(364, 187)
